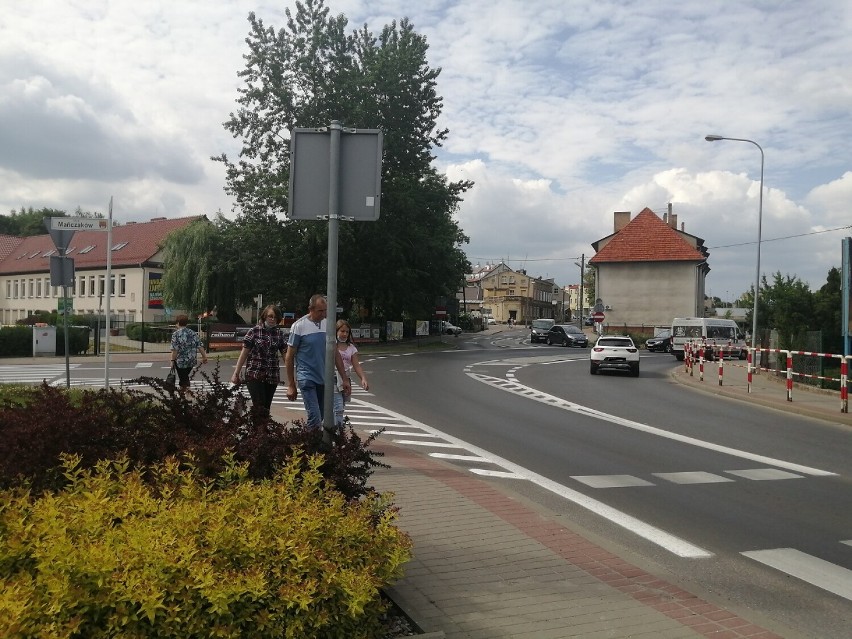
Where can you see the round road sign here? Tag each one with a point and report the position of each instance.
(598, 317)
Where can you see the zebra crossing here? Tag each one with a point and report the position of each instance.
(34, 374)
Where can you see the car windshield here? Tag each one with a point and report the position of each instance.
(572, 329)
(623, 342)
(542, 323)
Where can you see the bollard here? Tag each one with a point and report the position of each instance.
(844, 391)
(721, 361)
(789, 377)
(748, 369)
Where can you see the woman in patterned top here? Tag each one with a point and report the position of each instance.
(185, 344)
(261, 347)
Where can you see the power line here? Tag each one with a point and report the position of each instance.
(721, 246)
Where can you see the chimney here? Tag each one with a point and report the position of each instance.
(673, 221)
(621, 219)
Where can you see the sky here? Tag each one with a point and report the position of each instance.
(561, 111)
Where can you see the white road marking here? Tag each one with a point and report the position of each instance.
(470, 458)
(558, 402)
(610, 481)
(694, 477)
(813, 570)
(495, 473)
(763, 474)
(665, 540)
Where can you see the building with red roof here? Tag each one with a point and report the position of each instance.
(648, 271)
(136, 271)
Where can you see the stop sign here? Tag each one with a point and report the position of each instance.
(598, 317)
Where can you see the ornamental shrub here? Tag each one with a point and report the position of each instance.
(149, 421)
(165, 553)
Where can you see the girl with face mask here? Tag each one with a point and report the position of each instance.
(261, 347)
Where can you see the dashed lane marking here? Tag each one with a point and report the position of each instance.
(511, 386)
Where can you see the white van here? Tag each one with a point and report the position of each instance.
(713, 331)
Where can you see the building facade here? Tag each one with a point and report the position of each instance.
(135, 274)
(514, 295)
(648, 271)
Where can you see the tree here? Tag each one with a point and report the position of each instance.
(309, 74)
(788, 308)
(828, 312)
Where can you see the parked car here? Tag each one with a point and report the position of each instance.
(588, 321)
(615, 353)
(490, 320)
(661, 343)
(566, 335)
(539, 328)
(450, 329)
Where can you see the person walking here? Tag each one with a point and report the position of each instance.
(305, 361)
(185, 347)
(349, 354)
(261, 346)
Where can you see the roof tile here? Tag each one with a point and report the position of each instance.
(143, 242)
(646, 238)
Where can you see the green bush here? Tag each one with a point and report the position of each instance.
(152, 333)
(16, 341)
(78, 340)
(116, 555)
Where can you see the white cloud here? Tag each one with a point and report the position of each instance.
(560, 112)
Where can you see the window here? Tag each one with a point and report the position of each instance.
(101, 283)
(69, 249)
(16, 289)
(119, 246)
(8, 289)
(87, 249)
(38, 287)
(49, 253)
(30, 288)
(122, 285)
(511, 291)
(92, 292)
(36, 254)
(82, 285)
(112, 285)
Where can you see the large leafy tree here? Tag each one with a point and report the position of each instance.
(828, 312)
(308, 74)
(786, 305)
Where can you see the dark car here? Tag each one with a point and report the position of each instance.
(539, 328)
(566, 335)
(588, 321)
(660, 343)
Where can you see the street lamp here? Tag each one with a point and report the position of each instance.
(716, 138)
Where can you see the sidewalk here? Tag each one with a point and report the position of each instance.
(487, 565)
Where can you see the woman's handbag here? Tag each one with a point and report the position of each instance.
(170, 378)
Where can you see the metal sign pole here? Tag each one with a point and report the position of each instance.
(331, 318)
(108, 294)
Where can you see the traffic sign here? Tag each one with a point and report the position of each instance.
(598, 317)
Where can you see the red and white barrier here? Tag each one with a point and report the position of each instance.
(694, 351)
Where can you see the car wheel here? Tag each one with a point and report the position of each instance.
(593, 369)
(669, 348)
(565, 341)
(548, 342)
(634, 369)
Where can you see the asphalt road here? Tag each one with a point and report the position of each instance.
(765, 495)
(751, 507)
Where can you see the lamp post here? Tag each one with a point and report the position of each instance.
(716, 138)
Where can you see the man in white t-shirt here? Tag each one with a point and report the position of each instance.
(305, 361)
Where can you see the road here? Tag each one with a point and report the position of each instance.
(746, 506)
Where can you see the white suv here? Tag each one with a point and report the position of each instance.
(616, 353)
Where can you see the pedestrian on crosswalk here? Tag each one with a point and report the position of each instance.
(261, 347)
(185, 348)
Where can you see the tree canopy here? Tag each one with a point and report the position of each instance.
(308, 74)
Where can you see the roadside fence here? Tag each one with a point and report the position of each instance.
(697, 354)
